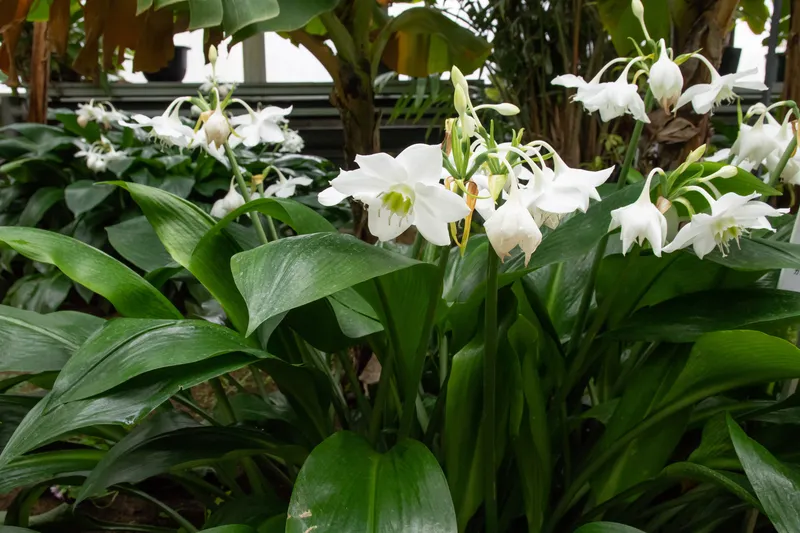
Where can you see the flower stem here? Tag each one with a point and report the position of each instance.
(237, 172)
(489, 392)
(355, 384)
(172, 513)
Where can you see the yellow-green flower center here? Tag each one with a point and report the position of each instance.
(725, 230)
(399, 200)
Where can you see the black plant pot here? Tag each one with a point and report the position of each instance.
(175, 70)
(730, 60)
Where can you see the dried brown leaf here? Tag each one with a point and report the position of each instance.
(155, 49)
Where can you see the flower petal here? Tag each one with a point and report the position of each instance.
(439, 203)
(384, 224)
(382, 166)
(422, 163)
(434, 230)
(353, 182)
(331, 196)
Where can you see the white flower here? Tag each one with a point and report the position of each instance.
(230, 202)
(99, 154)
(284, 188)
(641, 220)
(214, 150)
(512, 225)
(400, 192)
(666, 80)
(168, 127)
(730, 217)
(293, 143)
(212, 81)
(98, 113)
(754, 143)
(257, 127)
(610, 99)
(216, 128)
(705, 96)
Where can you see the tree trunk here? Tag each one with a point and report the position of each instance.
(354, 97)
(791, 84)
(40, 74)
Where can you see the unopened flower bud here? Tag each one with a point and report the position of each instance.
(83, 121)
(638, 9)
(458, 79)
(217, 128)
(460, 100)
(496, 184)
(212, 55)
(696, 154)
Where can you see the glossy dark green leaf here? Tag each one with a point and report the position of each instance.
(293, 15)
(252, 510)
(753, 253)
(100, 273)
(39, 204)
(13, 408)
(136, 241)
(686, 318)
(38, 468)
(204, 13)
(128, 347)
(30, 342)
(736, 484)
(345, 485)
(238, 14)
(300, 218)
(231, 529)
(180, 225)
(776, 484)
(292, 272)
(607, 527)
(84, 195)
(625, 29)
(123, 406)
(40, 293)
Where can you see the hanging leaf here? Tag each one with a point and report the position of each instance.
(205, 13)
(42, 467)
(624, 28)
(345, 485)
(293, 15)
(237, 14)
(154, 47)
(59, 25)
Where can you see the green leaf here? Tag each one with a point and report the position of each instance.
(231, 529)
(136, 241)
(180, 225)
(686, 318)
(607, 527)
(39, 204)
(30, 342)
(13, 409)
(85, 195)
(253, 510)
(345, 485)
(755, 13)
(776, 484)
(204, 13)
(292, 272)
(240, 13)
(293, 15)
(12, 529)
(743, 182)
(754, 253)
(38, 468)
(725, 480)
(128, 347)
(127, 291)
(41, 293)
(624, 28)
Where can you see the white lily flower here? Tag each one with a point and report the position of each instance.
(293, 143)
(285, 188)
(666, 80)
(731, 216)
(641, 221)
(213, 81)
(216, 127)
(754, 143)
(214, 150)
(98, 113)
(99, 154)
(401, 192)
(168, 127)
(611, 99)
(512, 225)
(227, 204)
(258, 127)
(705, 96)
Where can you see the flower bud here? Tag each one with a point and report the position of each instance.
(458, 79)
(666, 80)
(728, 171)
(505, 109)
(696, 154)
(460, 100)
(212, 55)
(638, 9)
(217, 128)
(83, 121)
(663, 204)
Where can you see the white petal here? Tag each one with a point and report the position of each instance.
(691, 92)
(382, 166)
(422, 162)
(359, 181)
(569, 80)
(439, 203)
(384, 224)
(331, 196)
(433, 229)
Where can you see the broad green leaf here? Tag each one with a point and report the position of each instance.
(205, 13)
(607, 527)
(736, 484)
(686, 318)
(743, 182)
(38, 468)
(180, 225)
(136, 241)
(624, 28)
(424, 41)
(345, 485)
(13, 409)
(754, 253)
(231, 529)
(13, 529)
(84, 195)
(293, 15)
(292, 272)
(39, 204)
(127, 291)
(776, 484)
(30, 342)
(253, 510)
(128, 347)
(237, 14)
(123, 406)
(756, 13)
(40, 293)
(183, 449)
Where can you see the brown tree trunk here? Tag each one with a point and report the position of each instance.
(40, 74)
(791, 84)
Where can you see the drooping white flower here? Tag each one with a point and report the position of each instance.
(293, 143)
(213, 81)
(400, 192)
(211, 148)
(611, 99)
(168, 127)
(705, 96)
(666, 80)
(258, 127)
(216, 127)
(731, 216)
(285, 187)
(512, 225)
(99, 154)
(754, 143)
(227, 204)
(103, 113)
(641, 221)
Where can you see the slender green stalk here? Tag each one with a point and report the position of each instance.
(237, 173)
(222, 401)
(775, 175)
(444, 358)
(273, 233)
(172, 513)
(387, 367)
(259, 380)
(355, 384)
(410, 398)
(196, 409)
(489, 392)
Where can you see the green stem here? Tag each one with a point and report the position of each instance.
(237, 172)
(273, 233)
(192, 406)
(775, 175)
(259, 379)
(489, 392)
(410, 399)
(185, 524)
(350, 372)
(222, 401)
(387, 367)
